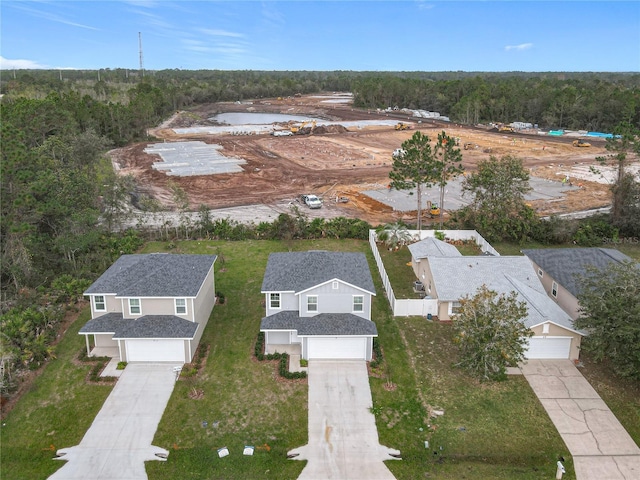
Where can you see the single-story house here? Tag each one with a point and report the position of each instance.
(318, 305)
(559, 269)
(151, 307)
(454, 278)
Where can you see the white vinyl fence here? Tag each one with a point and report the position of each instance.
(407, 307)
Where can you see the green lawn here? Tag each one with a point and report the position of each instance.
(55, 412)
(487, 430)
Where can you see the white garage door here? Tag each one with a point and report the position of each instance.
(149, 350)
(549, 347)
(337, 348)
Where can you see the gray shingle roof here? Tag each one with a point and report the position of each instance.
(540, 307)
(456, 277)
(154, 275)
(298, 271)
(321, 324)
(563, 264)
(432, 247)
(147, 326)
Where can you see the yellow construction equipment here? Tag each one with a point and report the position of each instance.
(402, 126)
(506, 129)
(434, 211)
(469, 146)
(581, 143)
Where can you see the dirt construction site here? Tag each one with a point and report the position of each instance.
(320, 144)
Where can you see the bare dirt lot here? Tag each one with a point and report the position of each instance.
(338, 162)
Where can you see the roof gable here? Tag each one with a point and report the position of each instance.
(298, 271)
(432, 247)
(154, 275)
(540, 308)
(565, 264)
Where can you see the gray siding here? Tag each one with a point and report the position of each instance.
(338, 300)
(288, 301)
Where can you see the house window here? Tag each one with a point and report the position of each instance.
(545, 328)
(274, 300)
(312, 303)
(134, 306)
(456, 307)
(99, 305)
(554, 289)
(358, 303)
(335, 285)
(181, 306)
(540, 273)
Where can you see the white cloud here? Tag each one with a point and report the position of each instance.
(8, 64)
(52, 17)
(522, 46)
(220, 33)
(425, 6)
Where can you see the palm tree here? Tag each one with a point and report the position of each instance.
(394, 235)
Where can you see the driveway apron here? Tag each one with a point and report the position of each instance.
(343, 438)
(601, 447)
(119, 440)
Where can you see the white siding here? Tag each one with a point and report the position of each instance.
(337, 348)
(549, 347)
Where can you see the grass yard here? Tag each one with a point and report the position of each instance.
(55, 412)
(487, 430)
(494, 430)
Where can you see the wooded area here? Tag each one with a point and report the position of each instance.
(61, 200)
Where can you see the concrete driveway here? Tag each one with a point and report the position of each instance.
(601, 447)
(119, 440)
(343, 438)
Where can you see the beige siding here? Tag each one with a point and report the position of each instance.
(203, 306)
(557, 331)
(443, 311)
(564, 298)
(112, 304)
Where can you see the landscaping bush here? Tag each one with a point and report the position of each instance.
(283, 366)
(377, 354)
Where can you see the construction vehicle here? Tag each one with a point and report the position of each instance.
(297, 128)
(506, 129)
(434, 210)
(581, 143)
(402, 126)
(469, 146)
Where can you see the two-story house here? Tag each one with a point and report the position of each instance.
(560, 268)
(318, 304)
(151, 307)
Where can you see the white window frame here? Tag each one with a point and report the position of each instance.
(452, 306)
(335, 285)
(545, 328)
(178, 312)
(96, 302)
(315, 303)
(139, 306)
(554, 289)
(540, 273)
(360, 305)
(275, 301)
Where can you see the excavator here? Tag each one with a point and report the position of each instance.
(506, 129)
(581, 143)
(402, 126)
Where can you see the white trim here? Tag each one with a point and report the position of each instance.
(564, 327)
(450, 309)
(175, 304)
(353, 304)
(271, 307)
(139, 305)
(554, 286)
(95, 303)
(332, 280)
(309, 297)
(335, 285)
(545, 328)
(540, 273)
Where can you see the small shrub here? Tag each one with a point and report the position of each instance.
(283, 364)
(221, 297)
(304, 363)
(121, 365)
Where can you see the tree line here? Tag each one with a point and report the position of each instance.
(553, 100)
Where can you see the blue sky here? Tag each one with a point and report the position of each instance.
(322, 35)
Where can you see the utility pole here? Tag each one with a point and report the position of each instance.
(141, 57)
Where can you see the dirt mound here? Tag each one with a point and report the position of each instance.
(323, 129)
